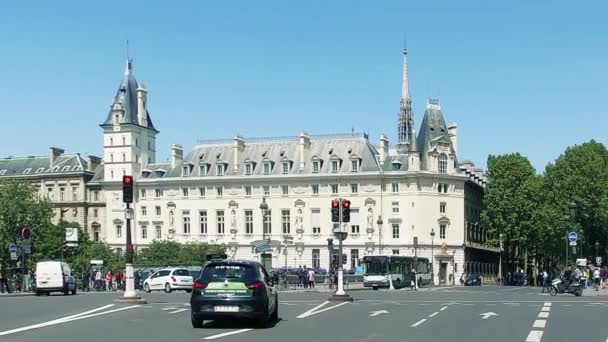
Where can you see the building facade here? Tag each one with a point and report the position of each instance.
(399, 193)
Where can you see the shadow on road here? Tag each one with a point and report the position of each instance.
(241, 323)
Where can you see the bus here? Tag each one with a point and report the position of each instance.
(380, 270)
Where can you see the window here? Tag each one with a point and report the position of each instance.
(202, 170)
(74, 193)
(383, 187)
(136, 142)
(95, 212)
(316, 165)
(354, 165)
(111, 141)
(442, 207)
(49, 193)
(395, 187)
(354, 221)
(334, 166)
(395, 230)
(96, 233)
(354, 188)
(396, 165)
(316, 221)
(285, 221)
(144, 211)
(142, 193)
(395, 252)
(285, 168)
(285, 189)
(28, 170)
(137, 158)
(2, 172)
(266, 190)
(124, 157)
(395, 206)
(220, 222)
(158, 193)
(334, 188)
(248, 221)
(74, 212)
(202, 216)
(248, 191)
(118, 228)
(185, 171)
(316, 258)
(266, 168)
(267, 222)
(144, 231)
(442, 231)
(354, 258)
(157, 210)
(158, 232)
(443, 163)
(315, 189)
(220, 169)
(124, 141)
(442, 188)
(61, 194)
(219, 191)
(40, 169)
(201, 191)
(66, 168)
(111, 174)
(149, 146)
(186, 221)
(185, 192)
(248, 169)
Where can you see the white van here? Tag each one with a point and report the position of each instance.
(54, 276)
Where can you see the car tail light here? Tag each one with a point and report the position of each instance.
(173, 279)
(200, 285)
(255, 286)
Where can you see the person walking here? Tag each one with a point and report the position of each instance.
(596, 278)
(603, 276)
(413, 279)
(545, 280)
(304, 276)
(311, 278)
(3, 281)
(109, 280)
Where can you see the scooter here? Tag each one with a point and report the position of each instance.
(574, 287)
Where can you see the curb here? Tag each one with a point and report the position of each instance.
(13, 295)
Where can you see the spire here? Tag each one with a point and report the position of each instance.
(405, 83)
(129, 66)
(406, 133)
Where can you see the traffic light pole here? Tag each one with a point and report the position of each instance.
(340, 294)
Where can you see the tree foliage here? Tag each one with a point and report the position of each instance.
(171, 253)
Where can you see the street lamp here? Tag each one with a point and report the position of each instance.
(379, 223)
(572, 209)
(432, 256)
(597, 247)
(501, 237)
(264, 208)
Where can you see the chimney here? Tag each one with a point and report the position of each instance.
(55, 154)
(93, 163)
(142, 99)
(304, 150)
(177, 155)
(383, 148)
(237, 149)
(453, 133)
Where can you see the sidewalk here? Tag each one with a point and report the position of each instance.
(16, 294)
(590, 292)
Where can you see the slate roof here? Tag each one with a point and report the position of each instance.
(433, 128)
(126, 95)
(41, 166)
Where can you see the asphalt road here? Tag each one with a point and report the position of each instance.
(436, 314)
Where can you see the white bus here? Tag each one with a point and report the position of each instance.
(379, 270)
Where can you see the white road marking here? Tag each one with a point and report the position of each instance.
(443, 308)
(543, 315)
(491, 304)
(534, 336)
(547, 304)
(316, 310)
(515, 289)
(213, 337)
(179, 310)
(83, 315)
(434, 314)
(488, 315)
(169, 308)
(376, 313)
(545, 308)
(539, 323)
(289, 304)
(419, 322)
(511, 303)
(567, 304)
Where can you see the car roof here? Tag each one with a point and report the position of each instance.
(232, 261)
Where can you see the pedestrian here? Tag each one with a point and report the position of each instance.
(119, 280)
(603, 276)
(3, 280)
(596, 278)
(97, 280)
(545, 280)
(311, 278)
(304, 277)
(413, 280)
(109, 280)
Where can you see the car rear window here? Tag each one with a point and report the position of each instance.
(228, 271)
(184, 273)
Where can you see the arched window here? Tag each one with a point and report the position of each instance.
(443, 163)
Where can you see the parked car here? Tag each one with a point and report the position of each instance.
(518, 279)
(54, 276)
(169, 279)
(473, 279)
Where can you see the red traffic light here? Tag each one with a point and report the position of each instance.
(335, 204)
(346, 204)
(127, 179)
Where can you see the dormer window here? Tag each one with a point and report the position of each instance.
(248, 169)
(443, 163)
(335, 165)
(267, 168)
(66, 168)
(2, 172)
(203, 170)
(221, 169)
(286, 167)
(354, 165)
(316, 166)
(396, 165)
(40, 170)
(26, 171)
(185, 171)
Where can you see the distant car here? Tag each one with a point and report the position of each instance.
(473, 279)
(518, 279)
(54, 276)
(228, 289)
(169, 279)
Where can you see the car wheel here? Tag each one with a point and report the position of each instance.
(66, 291)
(578, 292)
(74, 291)
(275, 314)
(168, 288)
(197, 323)
(147, 288)
(188, 291)
(397, 283)
(38, 293)
(264, 319)
(47, 293)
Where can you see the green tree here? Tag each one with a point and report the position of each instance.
(171, 253)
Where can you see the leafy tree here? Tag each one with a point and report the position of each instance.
(171, 253)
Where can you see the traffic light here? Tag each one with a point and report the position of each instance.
(335, 211)
(334, 260)
(345, 211)
(127, 189)
(330, 244)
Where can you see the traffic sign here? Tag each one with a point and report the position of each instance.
(14, 256)
(573, 243)
(598, 261)
(12, 248)
(26, 233)
(572, 236)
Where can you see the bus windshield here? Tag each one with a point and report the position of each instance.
(375, 265)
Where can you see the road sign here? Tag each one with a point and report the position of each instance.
(12, 248)
(572, 243)
(598, 261)
(572, 236)
(14, 256)
(129, 214)
(26, 233)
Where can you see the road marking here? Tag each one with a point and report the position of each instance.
(169, 308)
(545, 308)
(419, 322)
(316, 310)
(376, 313)
(488, 315)
(179, 310)
(434, 314)
(213, 337)
(539, 323)
(82, 315)
(547, 304)
(515, 289)
(490, 304)
(511, 303)
(567, 304)
(443, 308)
(534, 336)
(543, 315)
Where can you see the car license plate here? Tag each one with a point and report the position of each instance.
(221, 308)
(184, 281)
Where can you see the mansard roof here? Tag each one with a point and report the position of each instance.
(433, 129)
(67, 164)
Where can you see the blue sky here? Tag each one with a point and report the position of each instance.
(517, 76)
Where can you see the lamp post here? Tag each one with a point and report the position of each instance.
(379, 223)
(501, 237)
(264, 209)
(572, 211)
(432, 256)
(597, 247)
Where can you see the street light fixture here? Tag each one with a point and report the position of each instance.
(379, 223)
(501, 237)
(432, 256)
(597, 247)
(264, 208)
(572, 208)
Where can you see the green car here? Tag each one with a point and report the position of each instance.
(228, 289)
